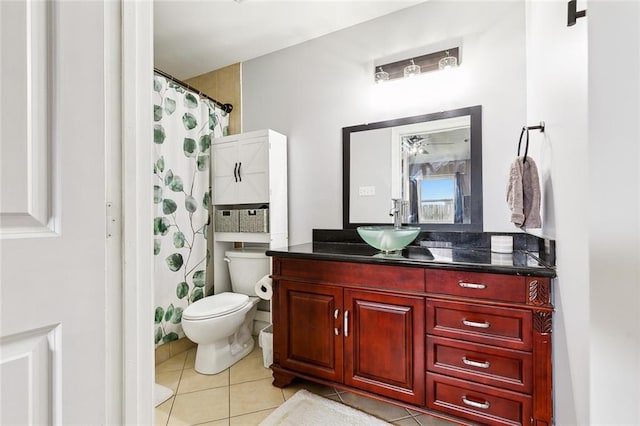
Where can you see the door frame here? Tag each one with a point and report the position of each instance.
(135, 400)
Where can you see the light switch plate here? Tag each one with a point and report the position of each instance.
(367, 191)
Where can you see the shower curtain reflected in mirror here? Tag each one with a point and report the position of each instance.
(184, 126)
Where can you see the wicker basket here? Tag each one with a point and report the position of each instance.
(254, 220)
(227, 221)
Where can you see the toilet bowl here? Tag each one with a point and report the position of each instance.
(221, 325)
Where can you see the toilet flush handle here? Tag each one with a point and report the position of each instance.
(226, 259)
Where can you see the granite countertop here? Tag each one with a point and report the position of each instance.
(525, 260)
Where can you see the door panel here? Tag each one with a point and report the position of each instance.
(26, 174)
(254, 154)
(253, 160)
(56, 127)
(225, 163)
(384, 350)
(310, 342)
(30, 371)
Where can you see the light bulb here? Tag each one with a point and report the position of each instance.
(447, 62)
(381, 76)
(411, 69)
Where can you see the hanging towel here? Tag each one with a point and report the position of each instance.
(523, 194)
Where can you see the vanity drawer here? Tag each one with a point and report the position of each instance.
(400, 278)
(477, 285)
(476, 402)
(505, 368)
(491, 325)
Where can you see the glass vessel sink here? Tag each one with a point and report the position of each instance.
(388, 238)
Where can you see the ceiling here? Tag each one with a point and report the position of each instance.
(193, 37)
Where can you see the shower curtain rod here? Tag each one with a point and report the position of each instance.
(225, 107)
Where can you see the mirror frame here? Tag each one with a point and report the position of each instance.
(475, 112)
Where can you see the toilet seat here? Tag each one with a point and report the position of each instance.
(215, 306)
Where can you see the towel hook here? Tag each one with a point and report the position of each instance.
(538, 127)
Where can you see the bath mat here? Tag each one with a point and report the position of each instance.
(161, 394)
(307, 409)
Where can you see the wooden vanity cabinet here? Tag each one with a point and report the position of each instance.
(342, 330)
(475, 346)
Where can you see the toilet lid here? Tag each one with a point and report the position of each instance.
(216, 305)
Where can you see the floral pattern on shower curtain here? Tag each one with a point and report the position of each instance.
(184, 125)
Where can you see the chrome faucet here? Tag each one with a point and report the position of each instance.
(396, 211)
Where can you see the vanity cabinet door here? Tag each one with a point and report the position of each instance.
(384, 344)
(311, 332)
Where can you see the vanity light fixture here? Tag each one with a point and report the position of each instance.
(416, 65)
(411, 69)
(381, 76)
(448, 61)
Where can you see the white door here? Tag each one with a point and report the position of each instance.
(59, 353)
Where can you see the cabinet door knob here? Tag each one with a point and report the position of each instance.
(484, 405)
(346, 324)
(476, 324)
(336, 314)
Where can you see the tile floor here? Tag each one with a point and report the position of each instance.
(243, 395)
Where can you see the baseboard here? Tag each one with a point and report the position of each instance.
(168, 350)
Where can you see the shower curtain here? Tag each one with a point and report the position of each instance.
(184, 125)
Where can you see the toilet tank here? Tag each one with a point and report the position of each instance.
(246, 267)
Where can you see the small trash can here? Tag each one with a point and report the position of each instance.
(265, 340)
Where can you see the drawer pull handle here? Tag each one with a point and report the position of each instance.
(484, 405)
(472, 285)
(476, 324)
(484, 364)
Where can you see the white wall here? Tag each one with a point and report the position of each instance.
(311, 90)
(588, 166)
(613, 210)
(557, 95)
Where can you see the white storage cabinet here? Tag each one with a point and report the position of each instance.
(249, 171)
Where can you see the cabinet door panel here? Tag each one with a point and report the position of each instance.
(225, 165)
(253, 160)
(385, 345)
(310, 343)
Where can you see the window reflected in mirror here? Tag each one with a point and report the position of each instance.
(436, 170)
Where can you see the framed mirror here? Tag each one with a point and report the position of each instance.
(432, 162)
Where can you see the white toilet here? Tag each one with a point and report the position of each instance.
(221, 324)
